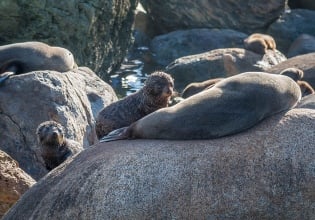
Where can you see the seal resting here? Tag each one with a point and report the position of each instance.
(155, 94)
(31, 56)
(297, 75)
(55, 148)
(195, 87)
(259, 43)
(230, 106)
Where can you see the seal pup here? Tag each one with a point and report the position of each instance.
(232, 105)
(298, 74)
(55, 148)
(155, 94)
(259, 43)
(196, 87)
(31, 56)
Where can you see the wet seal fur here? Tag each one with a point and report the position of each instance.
(259, 43)
(155, 94)
(232, 105)
(55, 148)
(31, 56)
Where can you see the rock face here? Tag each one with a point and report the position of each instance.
(73, 99)
(304, 62)
(97, 32)
(264, 173)
(168, 47)
(245, 16)
(219, 63)
(13, 182)
(304, 44)
(287, 28)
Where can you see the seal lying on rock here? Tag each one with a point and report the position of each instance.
(55, 148)
(297, 75)
(230, 106)
(195, 87)
(259, 43)
(31, 56)
(155, 94)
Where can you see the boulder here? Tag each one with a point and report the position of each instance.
(97, 32)
(291, 24)
(245, 16)
(219, 63)
(13, 182)
(168, 47)
(304, 62)
(72, 98)
(266, 172)
(304, 44)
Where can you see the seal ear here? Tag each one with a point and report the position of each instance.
(118, 134)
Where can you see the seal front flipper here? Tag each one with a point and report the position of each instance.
(9, 71)
(118, 134)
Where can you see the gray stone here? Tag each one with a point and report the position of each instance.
(264, 173)
(97, 32)
(292, 24)
(72, 98)
(304, 44)
(245, 16)
(168, 47)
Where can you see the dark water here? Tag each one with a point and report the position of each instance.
(133, 72)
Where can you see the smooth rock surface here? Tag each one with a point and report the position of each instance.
(266, 172)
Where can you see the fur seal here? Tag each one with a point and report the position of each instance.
(196, 87)
(155, 94)
(297, 74)
(55, 148)
(232, 105)
(259, 43)
(31, 56)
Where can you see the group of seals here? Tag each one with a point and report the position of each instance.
(230, 106)
(30, 56)
(155, 94)
(259, 43)
(55, 148)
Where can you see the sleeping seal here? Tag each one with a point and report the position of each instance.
(230, 106)
(31, 56)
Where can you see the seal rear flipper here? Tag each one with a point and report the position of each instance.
(118, 134)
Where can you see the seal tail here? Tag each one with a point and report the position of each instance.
(118, 134)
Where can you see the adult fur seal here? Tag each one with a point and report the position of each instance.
(259, 43)
(155, 94)
(31, 56)
(230, 106)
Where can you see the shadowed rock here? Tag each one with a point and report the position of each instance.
(72, 98)
(264, 173)
(13, 182)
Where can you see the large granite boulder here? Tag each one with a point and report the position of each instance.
(245, 16)
(13, 182)
(97, 32)
(266, 172)
(219, 63)
(291, 24)
(72, 98)
(304, 62)
(168, 47)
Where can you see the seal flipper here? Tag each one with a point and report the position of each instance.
(9, 71)
(118, 134)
